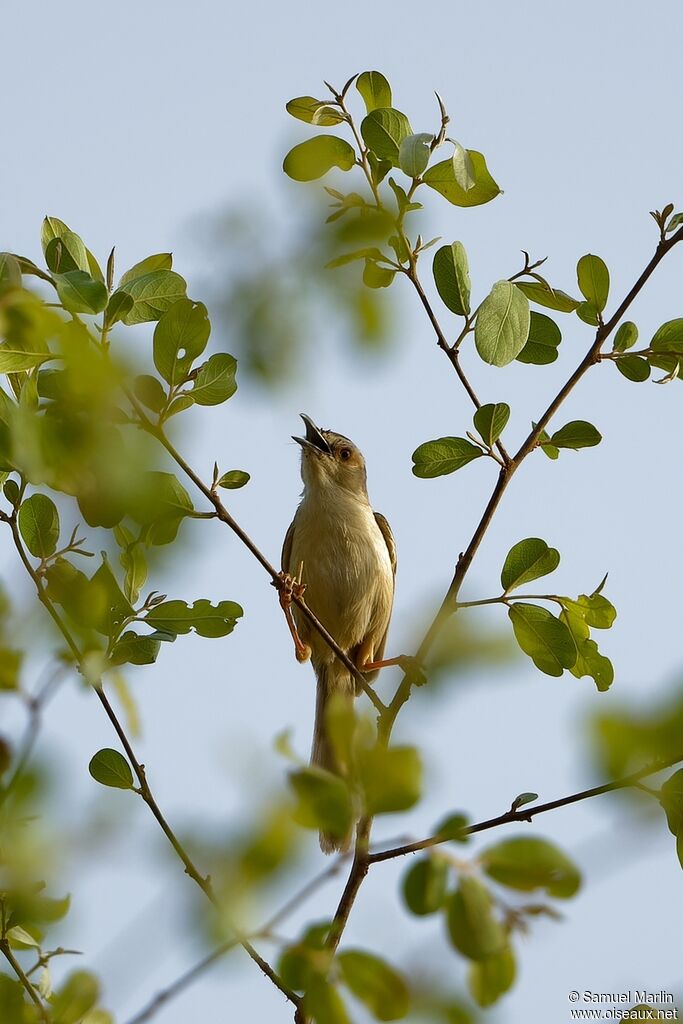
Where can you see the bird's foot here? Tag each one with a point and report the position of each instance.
(289, 587)
(407, 662)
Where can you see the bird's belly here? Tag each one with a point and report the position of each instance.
(349, 580)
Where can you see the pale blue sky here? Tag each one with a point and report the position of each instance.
(130, 122)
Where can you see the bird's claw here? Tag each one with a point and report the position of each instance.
(289, 588)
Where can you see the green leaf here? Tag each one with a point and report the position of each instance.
(323, 1003)
(490, 421)
(67, 252)
(544, 338)
(39, 525)
(375, 983)
(10, 272)
(153, 293)
(502, 325)
(526, 863)
(159, 261)
(206, 619)
(442, 456)
(160, 504)
(149, 391)
(315, 112)
(372, 253)
(12, 360)
(453, 828)
(587, 312)
(522, 800)
(377, 277)
(551, 298)
(668, 337)
(135, 649)
(526, 561)
(315, 157)
(75, 998)
(633, 367)
(180, 337)
(375, 90)
(179, 404)
(463, 168)
(452, 277)
(301, 962)
(425, 885)
(414, 154)
(671, 799)
(234, 479)
(110, 768)
(215, 382)
(324, 801)
(594, 609)
(383, 131)
(473, 929)
(575, 435)
(118, 307)
(593, 278)
(391, 778)
(19, 937)
(79, 293)
(626, 337)
(543, 637)
(491, 978)
(589, 661)
(441, 177)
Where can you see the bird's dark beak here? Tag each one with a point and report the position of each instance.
(314, 438)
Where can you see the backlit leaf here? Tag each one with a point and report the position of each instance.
(593, 278)
(215, 382)
(442, 456)
(490, 421)
(180, 337)
(441, 177)
(315, 157)
(153, 293)
(375, 90)
(315, 112)
(414, 153)
(551, 299)
(502, 325)
(526, 561)
(383, 131)
(110, 768)
(39, 525)
(543, 637)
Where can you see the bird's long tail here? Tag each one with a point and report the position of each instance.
(332, 678)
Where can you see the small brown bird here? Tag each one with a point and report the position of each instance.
(344, 556)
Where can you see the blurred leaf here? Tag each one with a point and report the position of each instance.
(136, 649)
(372, 253)
(179, 338)
(633, 367)
(375, 90)
(160, 261)
(425, 885)
(383, 131)
(300, 962)
(442, 456)
(39, 525)
(375, 983)
(593, 278)
(315, 112)
(153, 293)
(502, 325)
(206, 619)
(10, 664)
(543, 637)
(490, 421)
(79, 293)
(110, 768)
(453, 828)
(441, 177)
(324, 801)
(552, 298)
(472, 926)
(526, 561)
(527, 863)
(577, 434)
(160, 504)
(668, 337)
(13, 360)
(390, 777)
(324, 1004)
(10, 272)
(414, 154)
(118, 307)
(20, 938)
(315, 157)
(626, 337)
(75, 998)
(215, 382)
(452, 277)
(234, 479)
(491, 978)
(149, 391)
(377, 277)
(543, 341)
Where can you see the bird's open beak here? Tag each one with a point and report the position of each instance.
(314, 439)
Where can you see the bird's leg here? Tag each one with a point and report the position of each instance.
(409, 664)
(289, 588)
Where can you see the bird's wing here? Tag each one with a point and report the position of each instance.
(286, 556)
(385, 530)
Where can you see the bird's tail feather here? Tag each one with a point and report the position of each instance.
(332, 678)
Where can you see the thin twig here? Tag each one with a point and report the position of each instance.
(16, 967)
(527, 813)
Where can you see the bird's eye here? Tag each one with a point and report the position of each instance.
(345, 454)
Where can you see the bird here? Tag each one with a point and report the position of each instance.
(343, 554)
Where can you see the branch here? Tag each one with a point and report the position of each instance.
(139, 769)
(528, 813)
(16, 967)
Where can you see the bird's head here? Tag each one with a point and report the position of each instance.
(330, 460)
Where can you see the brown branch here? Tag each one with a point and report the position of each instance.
(16, 967)
(527, 813)
(144, 790)
(359, 869)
